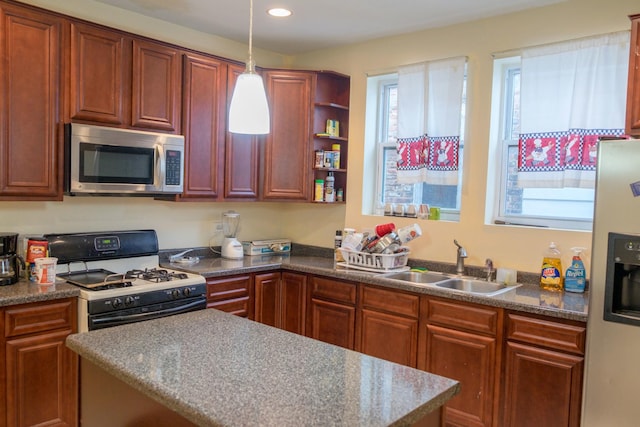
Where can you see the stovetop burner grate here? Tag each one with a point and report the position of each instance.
(154, 275)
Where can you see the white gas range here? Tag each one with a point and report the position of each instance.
(120, 278)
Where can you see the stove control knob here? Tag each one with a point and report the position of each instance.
(175, 293)
(186, 292)
(117, 302)
(129, 300)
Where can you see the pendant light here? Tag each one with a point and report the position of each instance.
(249, 111)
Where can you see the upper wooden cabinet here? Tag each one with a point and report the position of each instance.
(286, 171)
(242, 154)
(633, 91)
(118, 79)
(30, 81)
(204, 113)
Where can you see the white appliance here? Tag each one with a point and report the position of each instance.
(231, 247)
(120, 279)
(612, 370)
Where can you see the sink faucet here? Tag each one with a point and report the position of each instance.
(461, 255)
(488, 265)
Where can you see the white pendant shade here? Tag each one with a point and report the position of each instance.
(249, 111)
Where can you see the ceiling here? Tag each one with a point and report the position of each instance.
(319, 24)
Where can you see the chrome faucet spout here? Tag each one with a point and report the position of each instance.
(461, 254)
(488, 265)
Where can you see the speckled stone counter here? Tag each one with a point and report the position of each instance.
(214, 368)
(525, 298)
(25, 292)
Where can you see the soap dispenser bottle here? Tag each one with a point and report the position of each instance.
(575, 276)
(551, 272)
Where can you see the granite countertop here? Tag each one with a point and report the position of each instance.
(528, 297)
(26, 292)
(215, 368)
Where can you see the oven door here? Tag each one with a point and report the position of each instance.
(146, 312)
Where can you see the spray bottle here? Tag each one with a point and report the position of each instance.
(575, 276)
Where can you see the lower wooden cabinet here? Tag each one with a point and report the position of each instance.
(461, 341)
(387, 325)
(331, 316)
(280, 300)
(544, 364)
(41, 373)
(233, 294)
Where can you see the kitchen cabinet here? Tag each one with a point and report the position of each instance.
(242, 154)
(286, 175)
(233, 294)
(331, 311)
(119, 79)
(30, 81)
(633, 90)
(387, 325)
(331, 102)
(40, 372)
(462, 341)
(204, 116)
(544, 363)
(280, 300)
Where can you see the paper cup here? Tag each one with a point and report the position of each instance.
(46, 270)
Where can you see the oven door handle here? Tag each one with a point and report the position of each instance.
(200, 303)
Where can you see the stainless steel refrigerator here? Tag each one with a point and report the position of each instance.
(612, 366)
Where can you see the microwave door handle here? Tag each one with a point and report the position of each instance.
(160, 166)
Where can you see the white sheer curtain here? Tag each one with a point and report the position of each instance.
(571, 93)
(429, 121)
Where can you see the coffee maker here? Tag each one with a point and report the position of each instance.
(10, 261)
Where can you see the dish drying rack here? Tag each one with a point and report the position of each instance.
(374, 262)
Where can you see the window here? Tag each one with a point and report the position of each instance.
(570, 208)
(382, 98)
(575, 92)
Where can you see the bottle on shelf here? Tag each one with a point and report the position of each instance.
(329, 190)
(551, 272)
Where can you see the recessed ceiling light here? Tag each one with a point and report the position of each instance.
(279, 12)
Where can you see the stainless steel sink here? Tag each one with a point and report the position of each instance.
(442, 280)
(417, 277)
(476, 286)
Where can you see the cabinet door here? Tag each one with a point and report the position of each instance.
(242, 154)
(389, 337)
(204, 125)
(232, 295)
(293, 298)
(542, 387)
(156, 86)
(99, 75)
(30, 138)
(633, 91)
(470, 359)
(41, 380)
(267, 288)
(287, 168)
(332, 323)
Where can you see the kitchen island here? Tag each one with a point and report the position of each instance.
(212, 368)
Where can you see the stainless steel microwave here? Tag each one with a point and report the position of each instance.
(110, 161)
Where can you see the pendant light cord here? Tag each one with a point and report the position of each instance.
(250, 65)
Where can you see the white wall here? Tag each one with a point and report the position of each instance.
(189, 224)
(516, 247)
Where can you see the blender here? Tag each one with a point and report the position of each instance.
(231, 247)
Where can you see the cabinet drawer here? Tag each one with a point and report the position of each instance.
(390, 300)
(228, 288)
(463, 316)
(40, 317)
(239, 306)
(333, 290)
(568, 337)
